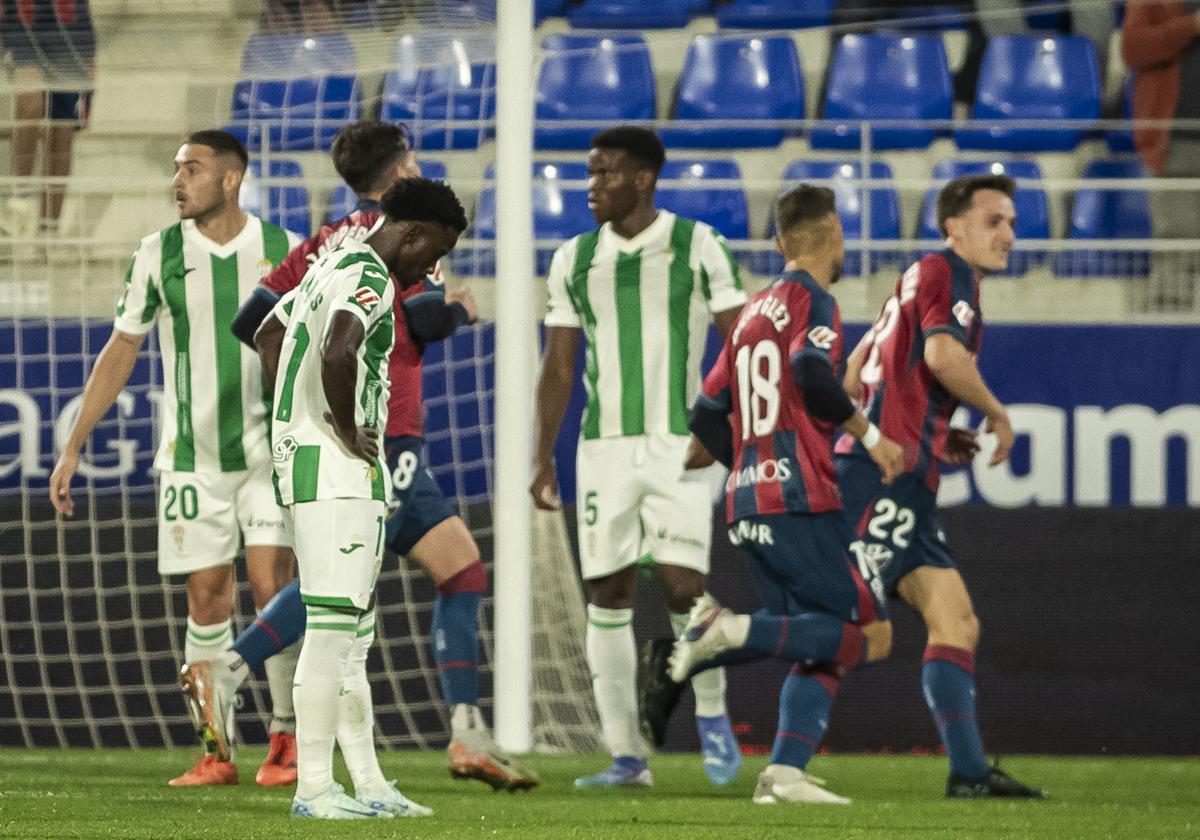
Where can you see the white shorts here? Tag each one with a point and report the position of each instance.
(634, 501)
(339, 547)
(204, 518)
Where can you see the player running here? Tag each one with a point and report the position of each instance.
(641, 288)
(324, 350)
(370, 157)
(912, 369)
(213, 457)
(768, 412)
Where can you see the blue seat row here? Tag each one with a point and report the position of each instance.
(297, 91)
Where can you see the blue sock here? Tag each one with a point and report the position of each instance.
(804, 705)
(279, 624)
(456, 635)
(948, 679)
(807, 637)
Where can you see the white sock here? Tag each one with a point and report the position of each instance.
(612, 657)
(281, 673)
(708, 686)
(356, 716)
(327, 643)
(465, 718)
(204, 642)
(230, 670)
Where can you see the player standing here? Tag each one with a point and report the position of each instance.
(213, 457)
(914, 366)
(768, 411)
(370, 157)
(325, 350)
(641, 289)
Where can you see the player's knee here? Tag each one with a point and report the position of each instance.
(473, 578)
(680, 599)
(971, 630)
(614, 592)
(959, 629)
(879, 640)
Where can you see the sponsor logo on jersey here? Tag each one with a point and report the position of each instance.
(255, 522)
(366, 297)
(284, 448)
(770, 471)
(352, 547)
(963, 313)
(822, 337)
(754, 531)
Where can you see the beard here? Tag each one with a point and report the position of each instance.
(835, 271)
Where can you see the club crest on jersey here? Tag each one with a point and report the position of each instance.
(264, 267)
(366, 297)
(963, 313)
(822, 337)
(177, 537)
(284, 448)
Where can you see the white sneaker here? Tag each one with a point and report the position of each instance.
(333, 804)
(711, 629)
(390, 799)
(781, 783)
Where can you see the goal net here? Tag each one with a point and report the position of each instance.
(91, 638)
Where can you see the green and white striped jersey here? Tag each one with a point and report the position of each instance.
(213, 416)
(644, 304)
(310, 462)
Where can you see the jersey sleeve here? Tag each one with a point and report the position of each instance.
(140, 301)
(820, 336)
(944, 298)
(560, 307)
(720, 276)
(288, 274)
(364, 292)
(283, 308)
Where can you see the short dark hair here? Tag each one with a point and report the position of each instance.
(363, 152)
(221, 142)
(641, 144)
(423, 200)
(955, 198)
(802, 205)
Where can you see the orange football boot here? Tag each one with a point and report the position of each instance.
(280, 767)
(209, 771)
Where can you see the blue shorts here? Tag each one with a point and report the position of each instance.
(417, 501)
(802, 565)
(896, 526)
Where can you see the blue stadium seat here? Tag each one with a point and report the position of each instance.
(284, 205)
(298, 90)
(1033, 214)
(1109, 214)
(558, 213)
(737, 79)
(629, 14)
(888, 76)
(723, 207)
(602, 79)
(1033, 77)
(343, 200)
(439, 78)
(773, 14)
(1122, 140)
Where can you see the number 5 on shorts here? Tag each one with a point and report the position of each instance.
(589, 508)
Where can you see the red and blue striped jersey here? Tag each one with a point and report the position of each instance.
(938, 294)
(782, 455)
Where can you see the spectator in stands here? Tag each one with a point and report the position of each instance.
(1162, 46)
(51, 47)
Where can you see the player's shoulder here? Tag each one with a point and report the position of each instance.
(270, 228)
(153, 241)
(934, 265)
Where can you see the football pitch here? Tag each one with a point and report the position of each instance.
(123, 794)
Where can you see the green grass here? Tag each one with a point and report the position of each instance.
(116, 793)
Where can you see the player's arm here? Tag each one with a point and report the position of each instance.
(708, 421)
(1146, 43)
(721, 283)
(433, 316)
(955, 368)
(339, 377)
(285, 277)
(553, 394)
(852, 380)
(268, 339)
(109, 375)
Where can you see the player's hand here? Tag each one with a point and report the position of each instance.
(889, 455)
(999, 426)
(698, 457)
(962, 445)
(360, 441)
(60, 482)
(467, 300)
(545, 487)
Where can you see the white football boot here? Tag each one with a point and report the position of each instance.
(711, 629)
(390, 799)
(333, 804)
(782, 783)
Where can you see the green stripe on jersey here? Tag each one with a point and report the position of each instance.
(629, 342)
(306, 464)
(275, 243)
(361, 257)
(679, 303)
(229, 364)
(577, 288)
(174, 284)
